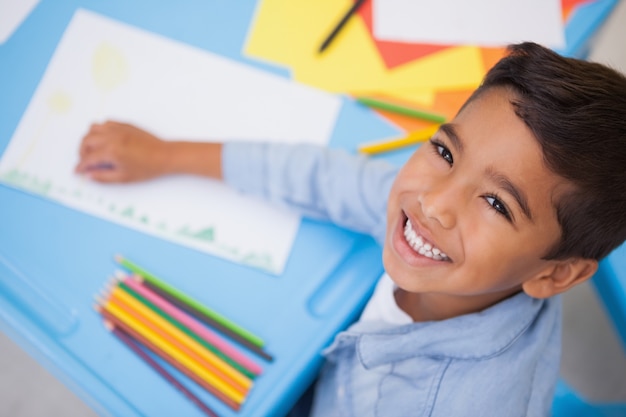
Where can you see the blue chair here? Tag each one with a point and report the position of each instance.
(610, 284)
(567, 403)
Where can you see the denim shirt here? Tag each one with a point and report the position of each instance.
(502, 361)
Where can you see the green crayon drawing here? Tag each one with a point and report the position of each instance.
(262, 260)
(26, 181)
(206, 234)
(128, 212)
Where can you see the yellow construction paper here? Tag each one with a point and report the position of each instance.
(290, 33)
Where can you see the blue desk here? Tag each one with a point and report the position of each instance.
(53, 260)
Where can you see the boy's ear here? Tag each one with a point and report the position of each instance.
(560, 277)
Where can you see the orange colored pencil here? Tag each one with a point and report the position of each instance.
(107, 315)
(173, 348)
(230, 374)
(134, 345)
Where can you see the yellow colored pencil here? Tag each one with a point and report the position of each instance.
(175, 353)
(393, 144)
(239, 380)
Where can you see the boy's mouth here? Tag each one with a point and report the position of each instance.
(418, 244)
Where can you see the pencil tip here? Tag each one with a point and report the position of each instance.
(118, 258)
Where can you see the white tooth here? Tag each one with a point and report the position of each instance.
(417, 243)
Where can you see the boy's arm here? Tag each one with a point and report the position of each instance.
(119, 152)
(350, 191)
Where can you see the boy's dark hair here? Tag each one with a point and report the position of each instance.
(577, 111)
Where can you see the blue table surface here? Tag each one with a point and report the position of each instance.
(53, 259)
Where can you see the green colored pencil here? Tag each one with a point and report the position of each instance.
(180, 326)
(252, 338)
(404, 110)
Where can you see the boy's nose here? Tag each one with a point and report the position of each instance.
(440, 203)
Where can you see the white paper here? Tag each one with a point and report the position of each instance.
(103, 69)
(480, 22)
(12, 14)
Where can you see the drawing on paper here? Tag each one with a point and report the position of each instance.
(109, 67)
(103, 69)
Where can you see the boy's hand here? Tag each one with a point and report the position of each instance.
(118, 152)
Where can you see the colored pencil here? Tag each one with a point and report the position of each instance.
(151, 320)
(185, 330)
(172, 347)
(400, 109)
(206, 320)
(393, 144)
(133, 345)
(154, 281)
(108, 316)
(352, 10)
(222, 348)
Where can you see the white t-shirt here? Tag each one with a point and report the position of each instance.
(382, 305)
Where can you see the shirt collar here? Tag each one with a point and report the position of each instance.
(471, 336)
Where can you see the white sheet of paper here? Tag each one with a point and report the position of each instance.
(103, 69)
(12, 14)
(481, 22)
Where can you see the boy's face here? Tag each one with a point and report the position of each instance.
(480, 195)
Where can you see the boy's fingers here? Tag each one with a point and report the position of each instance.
(94, 162)
(106, 175)
(91, 142)
(99, 134)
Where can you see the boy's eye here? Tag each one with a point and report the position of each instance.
(443, 152)
(498, 206)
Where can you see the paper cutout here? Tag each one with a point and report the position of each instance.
(396, 53)
(105, 69)
(480, 22)
(569, 6)
(289, 33)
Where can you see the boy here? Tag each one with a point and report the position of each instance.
(510, 204)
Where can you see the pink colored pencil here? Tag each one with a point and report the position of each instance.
(195, 326)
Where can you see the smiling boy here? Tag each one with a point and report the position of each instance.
(510, 204)
(485, 198)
